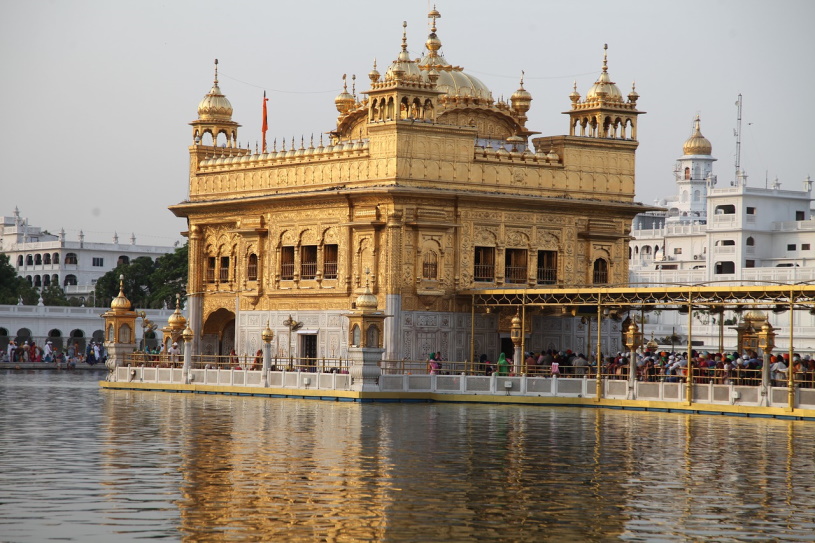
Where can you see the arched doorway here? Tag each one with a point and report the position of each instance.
(219, 333)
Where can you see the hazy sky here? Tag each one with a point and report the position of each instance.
(99, 94)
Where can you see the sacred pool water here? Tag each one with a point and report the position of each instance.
(85, 464)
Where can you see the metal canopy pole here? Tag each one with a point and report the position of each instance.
(598, 358)
(790, 366)
(689, 369)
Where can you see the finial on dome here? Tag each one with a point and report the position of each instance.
(605, 57)
(433, 15)
(354, 85)
(373, 75)
(404, 36)
(216, 72)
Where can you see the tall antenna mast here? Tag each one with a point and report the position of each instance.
(738, 141)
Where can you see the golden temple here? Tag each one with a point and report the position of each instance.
(426, 189)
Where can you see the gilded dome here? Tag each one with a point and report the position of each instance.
(120, 302)
(215, 106)
(697, 144)
(177, 320)
(604, 87)
(452, 80)
(344, 100)
(521, 98)
(366, 300)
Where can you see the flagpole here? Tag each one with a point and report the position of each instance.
(265, 125)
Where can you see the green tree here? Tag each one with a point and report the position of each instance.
(54, 295)
(137, 285)
(170, 277)
(147, 284)
(12, 286)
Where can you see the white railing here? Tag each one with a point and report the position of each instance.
(295, 383)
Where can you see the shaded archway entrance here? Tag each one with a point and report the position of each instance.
(219, 333)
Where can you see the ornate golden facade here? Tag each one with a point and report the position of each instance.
(426, 187)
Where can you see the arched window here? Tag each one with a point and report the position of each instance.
(70, 258)
(110, 333)
(38, 259)
(70, 280)
(30, 280)
(46, 280)
(751, 242)
(684, 197)
(55, 279)
(123, 260)
(430, 266)
(20, 261)
(125, 334)
(54, 333)
(29, 260)
(600, 275)
(687, 173)
(355, 335)
(46, 258)
(56, 258)
(697, 195)
(372, 337)
(37, 281)
(252, 268)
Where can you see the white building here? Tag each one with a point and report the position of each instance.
(732, 234)
(45, 258)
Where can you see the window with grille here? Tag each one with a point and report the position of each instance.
(484, 264)
(98, 261)
(287, 263)
(252, 268)
(211, 269)
(515, 266)
(547, 267)
(308, 261)
(330, 260)
(70, 258)
(430, 266)
(600, 271)
(223, 271)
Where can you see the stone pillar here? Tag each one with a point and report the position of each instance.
(267, 336)
(187, 335)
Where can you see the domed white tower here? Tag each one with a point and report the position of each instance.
(694, 177)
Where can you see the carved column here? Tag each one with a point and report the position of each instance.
(195, 287)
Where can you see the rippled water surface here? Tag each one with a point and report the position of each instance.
(84, 464)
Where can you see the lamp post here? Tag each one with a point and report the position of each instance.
(766, 342)
(187, 335)
(633, 339)
(515, 334)
(267, 335)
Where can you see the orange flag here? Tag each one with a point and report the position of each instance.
(265, 125)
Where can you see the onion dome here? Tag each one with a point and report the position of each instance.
(604, 87)
(215, 106)
(344, 100)
(521, 99)
(633, 96)
(697, 144)
(366, 300)
(574, 96)
(374, 74)
(452, 80)
(177, 320)
(120, 302)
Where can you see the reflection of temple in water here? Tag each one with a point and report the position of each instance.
(245, 468)
(427, 187)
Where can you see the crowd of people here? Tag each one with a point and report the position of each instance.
(29, 351)
(705, 366)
